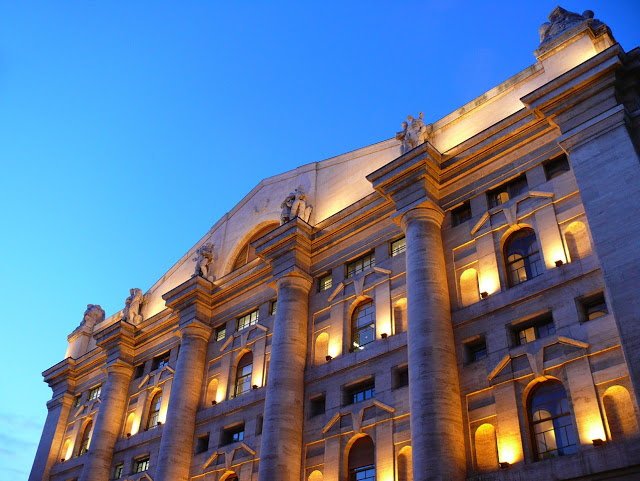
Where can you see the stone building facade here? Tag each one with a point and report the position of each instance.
(458, 302)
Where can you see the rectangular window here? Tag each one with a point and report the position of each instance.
(325, 282)
(233, 434)
(221, 332)
(139, 371)
(398, 246)
(535, 329)
(273, 307)
(141, 465)
(400, 376)
(202, 443)
(317, 405)
(77, 400)
(507, 191)
(593, 307)
(94, 393)
(359, 392)
(361, 264)
(461, 214)
(160, 361)
(259, 423)
(556, 166)
(117, 472)
(475, 350)
(248, 320)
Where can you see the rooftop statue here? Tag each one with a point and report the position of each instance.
(414, 132)
(93, 315)
(132, 311)
(561, 20)
(295, 205)
(205, 257)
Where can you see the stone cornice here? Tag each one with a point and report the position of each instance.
(287, 248)
(191, 299)
(117, 340)
(61, 377)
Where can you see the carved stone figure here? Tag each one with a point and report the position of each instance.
(414, 132)
(205, 257)
(93, 315)
(295, 205)
(132, 312)
(561, 20)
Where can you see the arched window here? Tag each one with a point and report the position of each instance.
(551, 421)
(486, 448)
(521, 257)
(85, 440)
(469, 292)
(363, 325)
(620, 413)
(321, 348)
(248, 253)
(129, 424)
(154, 410)
(405, 466)
(65, 453)
(229, 477)
(577, 238)
(243, 374)
(362, 464)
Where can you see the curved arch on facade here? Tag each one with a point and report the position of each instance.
(229, 476)
(85, 437)
(469, 292)
(521, 256)
(619, 412)
(362, 322)
(233, 261)
(360, 457)
(315, 476)
(577, 239)
(130, 424)
(321, 348)
(486, 447)
(405, 464)
(154, 405)
(211, 396)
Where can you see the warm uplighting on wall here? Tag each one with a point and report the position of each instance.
(592, 430)
(383, 324)
(67, 450)
(334, 348)
(488, 282)
(509, 451)
(554, 255)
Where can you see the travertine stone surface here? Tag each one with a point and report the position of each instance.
(176, 446)
(108, 422)
(436, 419)
(281, 446)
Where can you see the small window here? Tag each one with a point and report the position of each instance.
(221, 332)
(594, 307)
(273, 307)
(233, 434)
(202, 443)
(361, 264)
(118, 471)
(359, 392)
(94, 393)
(139, 371)
(259, 423)
(77, 400)
(248, 320)
(507, 191)
(400, 376)
(325, 282)
(398, 246)
(461, 214)
(475, 350)
(556, 166)
(160, 361)
(141, 465)
(532, 330)
(317, 405)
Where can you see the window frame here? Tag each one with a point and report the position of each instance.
(141, 464)
(360, 264)
(457, 216)
(530, 263)
(539, 326)
(511, 189)
(243, 379)
(475, 350)
(220, 332)
(161, 360)
(325, 282)
(593, 302)
(232, 434)
(250, 320)
(155, 405)
(368, 329)
(394, 249)
(554, 166)
(94, 393)
(359, 391)
(317, 405)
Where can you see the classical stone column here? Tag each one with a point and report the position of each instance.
(436, 423)
(287, 249)
(113, 403)
(176, 445)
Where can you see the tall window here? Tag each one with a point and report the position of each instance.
(551, 421)
(154, 410)
(522, 257)
(85, 441)
(362, 464)
(363, 325)
(243, 374)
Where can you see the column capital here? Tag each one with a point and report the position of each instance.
(296, 278)
(117, 340)
(191, 300)
(425, 211)
(195, 329)
(119, 367)
(64, 399)
(61, 377)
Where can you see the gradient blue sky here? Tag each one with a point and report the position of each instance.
(128, 128)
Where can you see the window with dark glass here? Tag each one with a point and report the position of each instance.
(363, 325)
(94, 393)
(141, 465)
(398, 246)
(594, 307)
(535, 329)
(556, 166)
(475, 350)
(551, 421)
(361, 462)
(232, 434)
(139, 371)
(243, 374)
(461, 214)
(202, 443)
(521, 257)
(507, 191)
(359, 392)
(160, 361)
(325, 282)
(247, 320)
(221, 332)
(317, 405)
(273, 307)
(118, 471)
(77, 400)
(400, 376)
(259, 423)
(154, 410)
(361, 264)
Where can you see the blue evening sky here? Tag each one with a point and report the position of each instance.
(128, 128)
